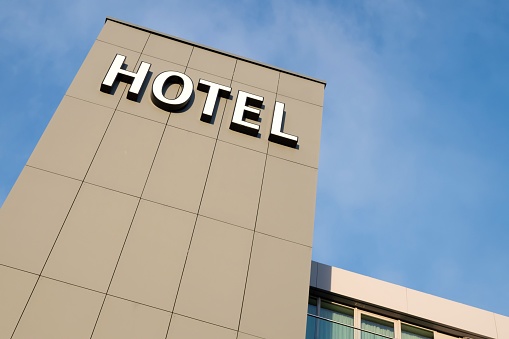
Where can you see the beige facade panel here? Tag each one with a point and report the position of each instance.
(59, 311)
(72, 137)
(258, 143)
(305, 121)
(180, 169)
(123, 36)
(89, 245)
(302, 89)
(151, 264)
(287, 203)
(502, 323)
(122, 319)
(189, 117)
(364, 288)
(144, 107)
(233, 186)
(88, 80)
(187, 328)
(15, 289)
(211, 62)
(168, 49)
(276, 294)
(451, 313)
(26, 238)
(215, 273)
(256, 76)
(125, 156)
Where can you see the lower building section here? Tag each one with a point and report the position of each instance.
(346, 305)
(330, 320)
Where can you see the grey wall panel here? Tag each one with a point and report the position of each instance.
(126, 154)
(179, 173)
(153, 257)
(215, 273)
(32, 217)
(72, 137)
(15, 289)
(58, 310)
(287, 201)
(256, 76)
(124, 319)
(233, 186)
(87, 250)
(213, 63)
(187, 328)
(169, 50)
(302, 89)
(123, 36)
(277, 289)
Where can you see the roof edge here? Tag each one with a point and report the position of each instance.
(215, 50)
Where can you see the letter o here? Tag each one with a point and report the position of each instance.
(181, 100)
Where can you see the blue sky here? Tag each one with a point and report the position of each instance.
(414, 165)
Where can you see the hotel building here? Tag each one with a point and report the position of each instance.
(172, 195)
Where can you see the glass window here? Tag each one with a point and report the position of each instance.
(341, 328)
(375, 328)
(338, 313)
(312, 321)
(312, 306)
(329, 320)
(411, 332)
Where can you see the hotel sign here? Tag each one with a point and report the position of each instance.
(247, 105)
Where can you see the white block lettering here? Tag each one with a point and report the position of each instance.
(181, 100)
(242, 110)
(213, 91)
(276, 130)
(116, 73)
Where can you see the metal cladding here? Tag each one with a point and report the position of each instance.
(166, 199)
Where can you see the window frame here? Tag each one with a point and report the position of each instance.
(358, 314)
